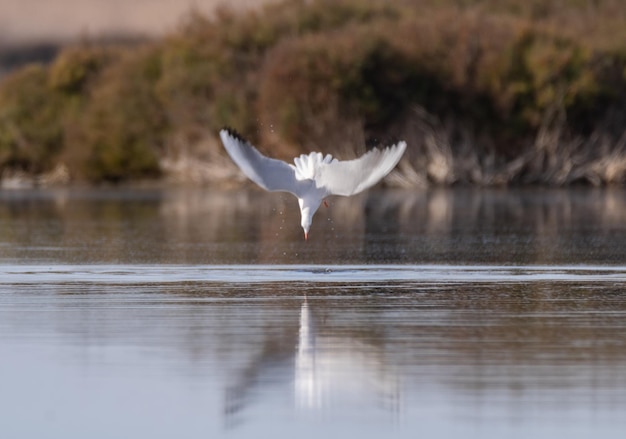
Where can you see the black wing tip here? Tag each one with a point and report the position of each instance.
(234, 133)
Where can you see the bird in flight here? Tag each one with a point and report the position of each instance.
(312, 177)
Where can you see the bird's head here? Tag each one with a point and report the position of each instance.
(307, 219)
(307, 210)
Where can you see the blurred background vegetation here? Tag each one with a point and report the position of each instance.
(487, 92)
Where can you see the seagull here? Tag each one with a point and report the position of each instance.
(312, 177)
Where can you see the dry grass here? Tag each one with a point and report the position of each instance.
(552, 158)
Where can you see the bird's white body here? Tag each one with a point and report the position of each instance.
(312, 177)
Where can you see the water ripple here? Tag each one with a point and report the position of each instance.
(347, 274)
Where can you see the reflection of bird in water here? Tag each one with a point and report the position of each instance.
(313, 177)
(331, 370)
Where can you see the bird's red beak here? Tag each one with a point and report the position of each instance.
(306, 236)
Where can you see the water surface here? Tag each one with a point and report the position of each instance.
(190, 314)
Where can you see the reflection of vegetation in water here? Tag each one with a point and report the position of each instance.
(206, 227)
(487, 92)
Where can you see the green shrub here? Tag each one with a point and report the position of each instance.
(120, 133)
(77, 67)
(31, 132)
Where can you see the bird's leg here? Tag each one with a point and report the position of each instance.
(325, 203)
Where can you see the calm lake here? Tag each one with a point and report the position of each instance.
(153, 313)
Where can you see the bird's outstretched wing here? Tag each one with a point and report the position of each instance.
(270, 174)
(353, 176)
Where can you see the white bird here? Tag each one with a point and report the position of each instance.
(312, 177)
